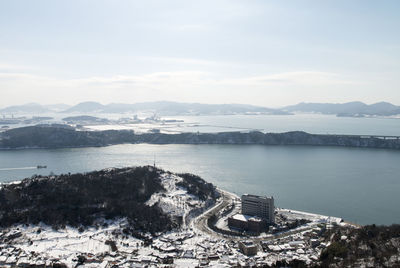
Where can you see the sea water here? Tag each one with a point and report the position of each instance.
(360, 185)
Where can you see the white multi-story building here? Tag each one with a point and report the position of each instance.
(260, 206)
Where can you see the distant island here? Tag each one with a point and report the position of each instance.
(64, 136)
(169, 108)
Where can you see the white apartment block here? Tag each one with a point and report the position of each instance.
(260, 206)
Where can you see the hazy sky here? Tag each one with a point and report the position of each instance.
(269, 53)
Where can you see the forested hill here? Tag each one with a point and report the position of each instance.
(60, 136)
(50, 136)
(368, 246)
(82, 199)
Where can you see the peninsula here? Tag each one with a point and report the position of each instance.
(64, 136)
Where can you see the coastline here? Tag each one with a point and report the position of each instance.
(106, 243)
(302, 214)
(52, 137)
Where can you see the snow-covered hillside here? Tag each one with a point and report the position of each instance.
(105, 242)
(175, 201)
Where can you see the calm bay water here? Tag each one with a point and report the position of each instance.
(312, 123)
(360, 185)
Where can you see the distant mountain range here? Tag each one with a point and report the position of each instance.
(350, 109)
(161, 108)
(353, 109)
(172, 108)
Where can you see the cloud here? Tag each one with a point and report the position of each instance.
(182, 79)
(158, 79)
(298, 78)
(185, 78)
(5, 67)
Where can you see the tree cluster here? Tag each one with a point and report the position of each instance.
(377, 245)
(80, 199)
(61, 136)
(197, 186)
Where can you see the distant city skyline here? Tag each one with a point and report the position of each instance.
(265, 53)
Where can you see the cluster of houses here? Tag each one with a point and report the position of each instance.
(190, 247)
(175, 249)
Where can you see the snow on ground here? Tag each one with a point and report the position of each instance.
(187, 247)
(41, 242)
(175, 200)
(294, 214)
(66, 244)
(10, 182)
(168, 128)
(222, 223)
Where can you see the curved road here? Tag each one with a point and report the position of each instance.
(227, 198)
(200, 223)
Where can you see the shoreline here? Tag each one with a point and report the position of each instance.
(227, 198)
(52, 137)
(233, 196)
(185, 245)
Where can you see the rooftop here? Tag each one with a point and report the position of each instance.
(257, 196)
(242, 217)
(248, 243)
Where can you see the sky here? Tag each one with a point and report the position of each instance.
(268, 53)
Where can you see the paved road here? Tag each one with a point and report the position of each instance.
(200, 223)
